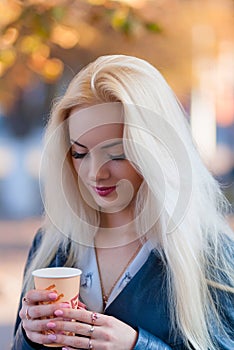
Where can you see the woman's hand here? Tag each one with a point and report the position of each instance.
(37, 307)
(45, 321)
(92, 331)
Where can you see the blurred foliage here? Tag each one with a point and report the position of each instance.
(40, 38)
(33, 30)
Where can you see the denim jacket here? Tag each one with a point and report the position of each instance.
(143, 305)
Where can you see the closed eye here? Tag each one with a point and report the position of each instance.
(77, 155)
(117, 157)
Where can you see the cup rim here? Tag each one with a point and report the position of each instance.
(57, 272)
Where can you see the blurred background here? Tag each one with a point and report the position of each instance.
(43, 43)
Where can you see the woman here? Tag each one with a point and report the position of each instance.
(128, 200)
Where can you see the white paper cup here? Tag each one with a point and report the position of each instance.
(65, 281)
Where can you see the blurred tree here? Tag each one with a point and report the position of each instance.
(37, 35)
(41, 39)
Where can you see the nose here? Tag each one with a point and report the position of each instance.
(98, 169)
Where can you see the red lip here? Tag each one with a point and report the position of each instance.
(104, 191)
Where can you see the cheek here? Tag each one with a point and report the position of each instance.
(77, 166)
(134, 177)
(82, 169)
(126, 171)
(136, 181)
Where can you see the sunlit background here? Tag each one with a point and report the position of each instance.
(43, 43)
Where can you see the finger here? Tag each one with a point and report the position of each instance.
(23, 314)
(28, 312)
(35, 296)
(45, 310)
(73, 341)
(81, 305)
(82, 316)
(74, 327)
(38, 337)
(38, 325)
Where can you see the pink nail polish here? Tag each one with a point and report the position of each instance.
(52, 337)
(58, 312)
(64, 348)
(53, 296)
(51, 325)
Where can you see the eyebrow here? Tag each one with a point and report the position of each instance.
(103, 147)
(112, 144)
(78, 144)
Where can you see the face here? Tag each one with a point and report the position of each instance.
(98, 156)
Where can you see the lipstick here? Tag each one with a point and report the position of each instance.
(104, 191)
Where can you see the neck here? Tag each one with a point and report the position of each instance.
(116, 220)
(116, 229)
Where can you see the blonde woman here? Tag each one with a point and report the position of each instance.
(128, 200)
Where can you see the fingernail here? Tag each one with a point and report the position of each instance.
(51, 325)
(53, 296)
(58, 312)
(64, 348)
(81, 308)
(82, 305)
(52, 337)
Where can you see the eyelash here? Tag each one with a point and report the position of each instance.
(120, 157)
(77, 155)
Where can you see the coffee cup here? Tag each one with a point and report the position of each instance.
(65, 282)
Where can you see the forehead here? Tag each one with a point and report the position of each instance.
(96, 124)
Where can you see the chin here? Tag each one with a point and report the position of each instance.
(113, 207)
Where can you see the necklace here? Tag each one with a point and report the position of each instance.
(105, 296)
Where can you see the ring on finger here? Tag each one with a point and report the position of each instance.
(90, 346)
(25, 300)
(94, 317)
(27, 315)
(91, 330)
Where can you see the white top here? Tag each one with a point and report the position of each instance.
(90, 288)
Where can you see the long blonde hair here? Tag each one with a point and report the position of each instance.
(189, 231)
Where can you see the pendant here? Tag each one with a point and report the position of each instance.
(105, 300)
